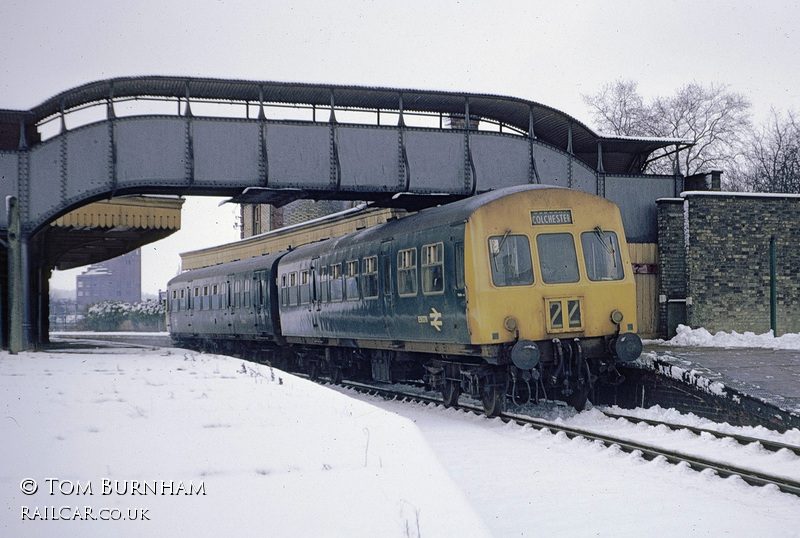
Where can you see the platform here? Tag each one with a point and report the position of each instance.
(763, 383)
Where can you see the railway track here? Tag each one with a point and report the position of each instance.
(772, 446)
(648, 452)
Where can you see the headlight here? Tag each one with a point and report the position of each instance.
(510, 324)
(616, 317)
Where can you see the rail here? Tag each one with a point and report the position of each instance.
(767, 444)
(648, 452)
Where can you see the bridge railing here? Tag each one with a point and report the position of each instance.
(88, 113)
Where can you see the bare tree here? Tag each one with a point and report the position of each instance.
(772, 160)
(618, 109)
(713, 120)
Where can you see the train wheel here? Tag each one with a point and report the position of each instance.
(313, 370)
(494, 401)
(450, 393)
(336, 375)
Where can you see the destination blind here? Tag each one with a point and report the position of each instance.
(541, 218)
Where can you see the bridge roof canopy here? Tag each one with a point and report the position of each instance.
(620, 154)
(109, 228)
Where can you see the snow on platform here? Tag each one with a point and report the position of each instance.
(205, 445)
(762, 366)
(198, 445)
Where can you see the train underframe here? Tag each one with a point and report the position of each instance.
(527, 371)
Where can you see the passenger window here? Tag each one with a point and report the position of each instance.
(337, 289)
(407, 272)
(247, 292)
(433, 269)
(601, 254)
(510, 257)
(323, 284)
(292, 288)
(369, 277)
(351, 280)
(284, 290)
(557, 258)
(305, 288)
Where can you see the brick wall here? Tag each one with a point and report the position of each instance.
(727, 259)
(672, 268)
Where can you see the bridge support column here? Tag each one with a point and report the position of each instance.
(20, 325)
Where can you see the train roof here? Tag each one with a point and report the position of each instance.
(238, 266)
(448, 214)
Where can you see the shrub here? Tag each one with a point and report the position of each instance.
(117, 315)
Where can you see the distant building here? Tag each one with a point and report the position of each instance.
(118, 279)
(258, 219)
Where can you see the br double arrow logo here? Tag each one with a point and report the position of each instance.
(436, 319)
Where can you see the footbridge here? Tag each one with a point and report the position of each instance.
(270, 142)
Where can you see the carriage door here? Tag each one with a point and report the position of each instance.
(315, 304)
(387, 282)
(227, 305)
(260, 301)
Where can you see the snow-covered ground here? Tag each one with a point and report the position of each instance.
(734, 367)
(218, 447)
(686, 336)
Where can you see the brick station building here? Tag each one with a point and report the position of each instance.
(715, 251)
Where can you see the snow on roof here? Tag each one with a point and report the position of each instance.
(96, 270)
(740, 194)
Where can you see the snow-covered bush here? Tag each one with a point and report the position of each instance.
(117, 315)
(147, 316)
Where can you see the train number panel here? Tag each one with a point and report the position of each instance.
(516, 294)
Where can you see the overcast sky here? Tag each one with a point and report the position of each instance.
(545, 51)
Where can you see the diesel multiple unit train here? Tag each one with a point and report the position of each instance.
(518, 293)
